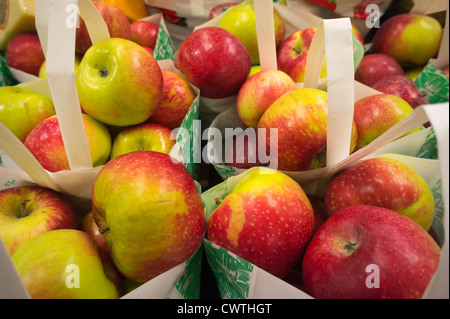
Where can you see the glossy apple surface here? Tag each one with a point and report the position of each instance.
(375, 114)
(243, 151)
(63, 264)
(368, 252)
(119, 82)
(24, 52)
(375, 67)
(240, 21)
(401, 86)
(266, 219)
(177, 100)
(142, 137)
(148, 207)
(45, 142)
(22, 109)
(382, 182)
(26, 212)
(411, 39)
(259, 92)
(144, 33)
(117, 23)
(215, 61)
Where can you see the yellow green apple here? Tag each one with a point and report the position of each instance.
(145, 136)
(45, 142)
(240, 21)
(43, 68)
(266, 219)
(147, 206)
(63, 264)
(119, 82)
(22, 109)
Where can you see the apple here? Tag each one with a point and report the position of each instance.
(43, 69)
(382, 182)
(375, 67)
(28, 211)
(215, 61)
(414, 72)
(401, 86)
(320, 215)
(151, 51)
(24, 52)
(242, 152)
(145, 136)
(375, 114)
(119, 83)
(266, 219)
(293, 53)
(253, 70)
(259, 92)
(117, 23)
(411, 39)
(64, 264)
(221, 8)
(88, 225)
(147, 206)
(144, 33)
(45, 142)
(357, 34)
(240, 21)
(22, 109)
(178, 97)
(445, 70)
(368, 252)
(300, 118)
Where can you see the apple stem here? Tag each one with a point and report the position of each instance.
(23, 209)
(104, 229)
(350, 247)
(218, 200)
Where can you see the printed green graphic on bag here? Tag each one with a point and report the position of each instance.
(6, 77)
(433, 84)
(164, 47)
(189, 283)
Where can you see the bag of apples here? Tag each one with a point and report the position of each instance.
(118, 221)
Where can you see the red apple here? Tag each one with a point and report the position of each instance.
(293, 52)
(26, 212)
(24, 52)
(144, 33)
(148, 207)
(445, 70)
(319, 211)
(411, 39)
(382, 182)
(116, 21)
(375, 67)
(221, 8)
(368, 252)
(401, 86)
(375, 114)
(215, 61)
(45, 142)
(145, 136)
(266, 219)
(243, 151)
(177, 100)
(259, 92)
(151, 51)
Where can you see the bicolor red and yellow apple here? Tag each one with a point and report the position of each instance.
(24, 52)
(266, 219)
(259, 92)
(177, 100)
(383, 182)
(144, 33)
(45, 142)
(147, 206)
(28, 211)
(375, 67)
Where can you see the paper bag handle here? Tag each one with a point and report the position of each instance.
(265, 34)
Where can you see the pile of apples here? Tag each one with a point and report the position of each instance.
(146, 215)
